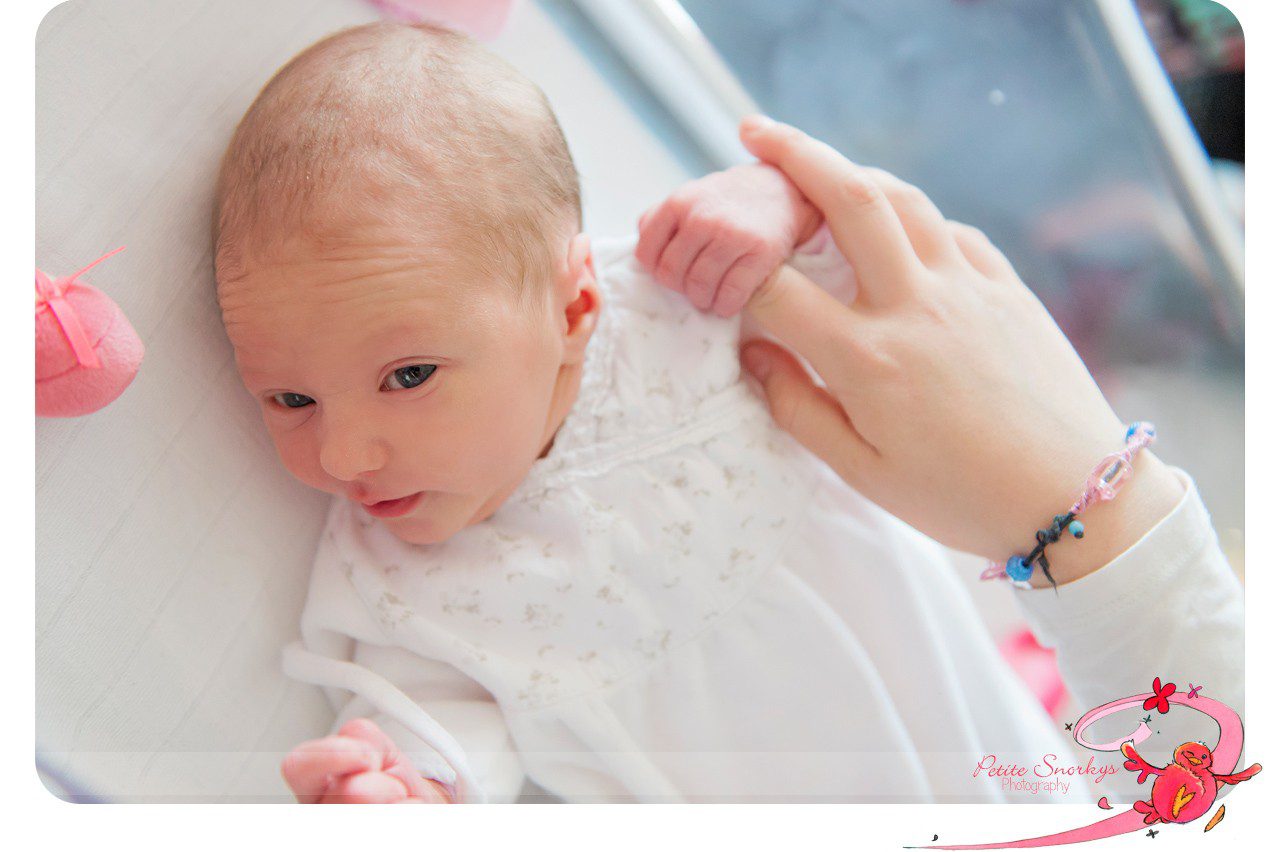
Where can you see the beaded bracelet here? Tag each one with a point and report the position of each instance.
(1106, 480)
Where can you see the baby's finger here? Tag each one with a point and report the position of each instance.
(707, 272)
(676, 258)
(655, 233)
(862, 221)
(394, 763)
(418, 787)
(366, 788)
(368, 731)
(310, 767)
(739, 283)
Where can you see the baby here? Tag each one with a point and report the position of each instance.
(568, 544)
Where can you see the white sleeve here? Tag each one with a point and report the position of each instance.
(458, 704)
(449, 726)
(1169, 606)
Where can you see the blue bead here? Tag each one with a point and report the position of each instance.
(1076, 529)
(1141, 426)
(1018, 569)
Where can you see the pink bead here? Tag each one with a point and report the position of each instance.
(994, 571)
(1103, 484)
(1108, 478)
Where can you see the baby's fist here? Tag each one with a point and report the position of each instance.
(358, 765)
(718, 238)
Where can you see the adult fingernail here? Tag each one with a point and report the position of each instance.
(756, 362)
(756, 123)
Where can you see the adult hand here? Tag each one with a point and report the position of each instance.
(952, 398)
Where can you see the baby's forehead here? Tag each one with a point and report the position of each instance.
(360, 259)
(388, 298)
(361, 293)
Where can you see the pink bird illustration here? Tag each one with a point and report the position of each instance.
(1185, 789)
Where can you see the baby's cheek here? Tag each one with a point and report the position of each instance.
(505, 451)
(293, 455)
(460, 457)
(500, 430)
(517, 414)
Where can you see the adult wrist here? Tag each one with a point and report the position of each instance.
(1126, 494)
(1111, 528)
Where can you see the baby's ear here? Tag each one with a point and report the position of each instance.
(583, 306)
(581, 262)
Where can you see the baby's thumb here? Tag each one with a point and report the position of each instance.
(810, 413)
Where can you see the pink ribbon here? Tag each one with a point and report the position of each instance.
(483, 19)
(52, 293)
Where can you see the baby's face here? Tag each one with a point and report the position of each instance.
(382, 375)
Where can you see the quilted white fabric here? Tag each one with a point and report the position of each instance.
(171, 547)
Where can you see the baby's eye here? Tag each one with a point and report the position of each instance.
(292, 400)
(410, 377)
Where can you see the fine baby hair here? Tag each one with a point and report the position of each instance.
(404, 123)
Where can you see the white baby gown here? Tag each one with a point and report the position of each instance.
(679, 603)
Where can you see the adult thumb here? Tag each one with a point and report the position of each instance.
(809, 412)
(765, 138)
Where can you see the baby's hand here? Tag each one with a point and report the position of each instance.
(358, 765)
(718, 238)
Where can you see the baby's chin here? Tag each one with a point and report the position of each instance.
(416, 535)
(426, 525)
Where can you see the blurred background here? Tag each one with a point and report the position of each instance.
(1098, 142)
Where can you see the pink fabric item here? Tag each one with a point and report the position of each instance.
(483, 19)
(87, 353)
(1037, 667)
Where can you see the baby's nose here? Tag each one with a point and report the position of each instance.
(350, 449)
(347, 463)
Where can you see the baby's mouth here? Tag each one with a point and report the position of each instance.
(394, 508)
